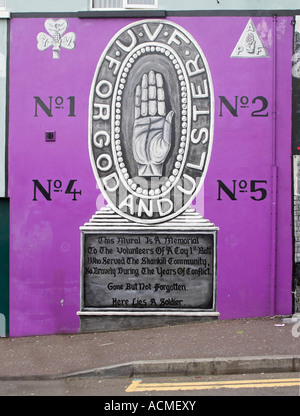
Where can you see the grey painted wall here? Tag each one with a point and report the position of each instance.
(81, 5)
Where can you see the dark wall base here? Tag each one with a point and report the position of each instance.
(109, 323)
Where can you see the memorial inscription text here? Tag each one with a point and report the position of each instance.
(148, 271)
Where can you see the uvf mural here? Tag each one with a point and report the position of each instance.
(150, 150)
(164, 132)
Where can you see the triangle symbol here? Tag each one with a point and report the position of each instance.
(250, 44)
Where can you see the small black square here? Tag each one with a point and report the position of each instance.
(50, 136)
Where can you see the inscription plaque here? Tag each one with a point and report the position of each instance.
(149, 270)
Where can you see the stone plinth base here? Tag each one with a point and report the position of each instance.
(135, 276)
(105, 322)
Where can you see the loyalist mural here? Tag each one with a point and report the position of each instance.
(151, 127)
(147, 171)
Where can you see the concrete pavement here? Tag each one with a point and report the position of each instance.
(216, 347)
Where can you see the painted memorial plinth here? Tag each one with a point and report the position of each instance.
(149, 259)
(132, 275)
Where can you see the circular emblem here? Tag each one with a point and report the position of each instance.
(151, 121)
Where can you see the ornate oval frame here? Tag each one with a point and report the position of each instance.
(139, 48)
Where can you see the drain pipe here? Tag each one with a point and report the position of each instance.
(272, 306)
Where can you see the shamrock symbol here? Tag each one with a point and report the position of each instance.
(56, 30)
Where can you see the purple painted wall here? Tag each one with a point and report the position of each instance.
(45, 236)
